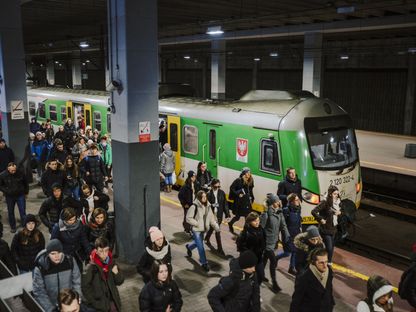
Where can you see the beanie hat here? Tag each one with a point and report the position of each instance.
(30, 218)
(377, 287)
(247, 259)
(54, 245)
(312, 231)
(191, 173)
(155, 233)
(272, 198)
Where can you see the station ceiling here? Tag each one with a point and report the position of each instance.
(47, 23)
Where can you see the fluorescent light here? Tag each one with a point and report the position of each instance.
(344, 57)
(60, 64)
(187, 57)
(214, 30)
(274, 54)
(56, 62)
(87, 61)
(84, 44)
(195, 61)
(257, 59)
(83, 64)
(346, 9)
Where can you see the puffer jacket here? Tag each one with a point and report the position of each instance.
(203, 218)
(149, 256)
(51, 177)
(25, 254)
(50, 278)
(303, 249)
(38, 148)
(95, 166)
(253, 239)
(238, 292)
(70, 129)
(14, 185)
(73, 239)
(293, 219)
(106, 154)
(273, 223)
(167, 162)
(156, 297)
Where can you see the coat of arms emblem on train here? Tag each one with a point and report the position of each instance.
(242, 150)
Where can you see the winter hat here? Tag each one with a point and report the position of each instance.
(30, 218)
(191, 173)
(377, 286)
(155, 233)
(312, 231)
(54, 245)
(244, 171)
(31, 135)
(247, 259)
(272, 198)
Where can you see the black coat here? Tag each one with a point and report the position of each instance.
(96, 168)
(186, 195)
(6, 156)
(25, 254)
(310, 295)
(222, 204)
(145, 263)
(253, 239)
(324, 212)
(6, 257)
(156, 297)
(286, 187)
(303, 248)
(14, 184)
(51, 177)
(51, 209)
(106, 230)
(204, 179)
(238, 292)
(242, 205)
(58, 155)
(102, 201)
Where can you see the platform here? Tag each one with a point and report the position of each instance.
(385, 152)
(349, 269)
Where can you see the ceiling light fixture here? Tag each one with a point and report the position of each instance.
(87, 61)
(257, 59)
(84, 44)
(344, 57)
(214, 31)
(274, 54)
(346, 9)
(187, 57)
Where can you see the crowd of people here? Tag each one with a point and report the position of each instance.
(75, 270)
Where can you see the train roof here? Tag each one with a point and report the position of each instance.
(89, 96)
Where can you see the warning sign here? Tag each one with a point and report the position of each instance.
(144, 131)
(242, 150)
(17, 110)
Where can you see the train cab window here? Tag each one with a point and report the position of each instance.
(52, 113)
(97, 121)
(270, 156)
(63, 113)
(32, 109)
(173, 136)
(212, 144)
(42, 110)
(109, 123)
(190, 140)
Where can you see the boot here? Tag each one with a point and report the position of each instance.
(292, 271)
(276, 288)
(230, 226)
(219, 244)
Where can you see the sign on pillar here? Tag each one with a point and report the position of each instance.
(144, 131)
(17, 111)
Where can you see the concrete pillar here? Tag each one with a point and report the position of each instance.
(50, 70)
(135, 134)
(29, 69)
(13, 97)
(218, 69)
(312, 63)
(204, 77)
(76, 70)
(254, 77)
(410, 95)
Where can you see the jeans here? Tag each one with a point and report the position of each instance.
(199, 244)
(329, 245)
(11, 201)
(168, 179)
(73, 192)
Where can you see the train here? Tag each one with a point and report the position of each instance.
(265, 130)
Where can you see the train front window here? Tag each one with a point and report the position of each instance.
(333, 149)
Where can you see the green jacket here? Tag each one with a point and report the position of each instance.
(97, 291)
(106, 155)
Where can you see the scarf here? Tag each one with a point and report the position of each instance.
(63, 226)
(336, 208)
(105, 265)
(321, 277)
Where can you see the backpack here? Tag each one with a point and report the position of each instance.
(188, 227)
(404, 285)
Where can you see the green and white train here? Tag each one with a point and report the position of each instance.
(265, 130)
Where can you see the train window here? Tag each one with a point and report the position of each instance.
(212, 144)
(42, 110)
(52, 113)
(97, 120)
(173, 136)
(32, 109)
(270, 156)
(63, 113)
(87, 117)
(109, 123)
(190, 140)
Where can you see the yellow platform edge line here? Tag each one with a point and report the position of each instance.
(335, 267)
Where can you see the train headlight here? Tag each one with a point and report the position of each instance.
(310, 197)
(357, 187)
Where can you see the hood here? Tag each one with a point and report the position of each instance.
(235, 267)
(377, 286)
(169, 153)
(42, 259)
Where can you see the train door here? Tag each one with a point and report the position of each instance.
(211, 149)
(88, 115)
(69, 111)
(174, 139)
